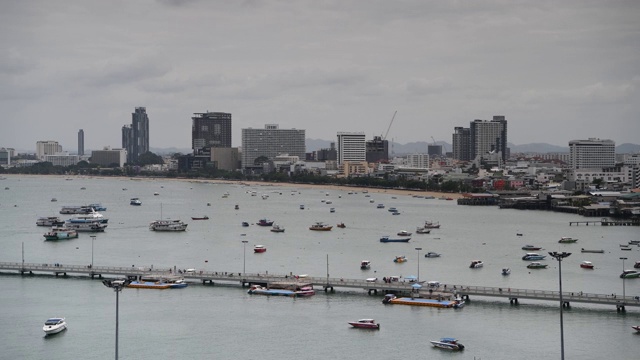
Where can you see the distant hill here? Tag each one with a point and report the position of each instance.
(539, 148)
(627, 148)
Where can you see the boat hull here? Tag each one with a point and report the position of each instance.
(358, 325)
(388, 240)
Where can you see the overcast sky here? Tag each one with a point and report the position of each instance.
(558, 70)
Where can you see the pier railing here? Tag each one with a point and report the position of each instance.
(324, 282)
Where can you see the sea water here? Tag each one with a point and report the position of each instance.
(224, 322)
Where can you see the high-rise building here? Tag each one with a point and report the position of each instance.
(592, 153)
(80, 142)
(489, 137)
(461, 144)
(419, 161)
(109, 157)
(351, 147)
(271, 142)
(210, 130)
(377, 150)
(482, 139)
(135, 137)
(48, 147)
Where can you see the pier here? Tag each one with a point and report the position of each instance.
(514, 295)
(607, 222)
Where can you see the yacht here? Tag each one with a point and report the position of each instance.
(54, 326)
(135, 201)
(89, 217)
(448, 344)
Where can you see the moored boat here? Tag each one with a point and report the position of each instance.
(87, 226)
(567, 240)
(341, 225)
(432, 254)
(265, 222)
(448, 344)
(49, 221)
(245, 224)
(475, 264)
(400, 259)
(531, 247)
(291, 290)
(97, 207)
(200, 218)
(598, 251)
(393, 300)
(160, 285)
(365, 264)
(533, 256)
(135, 201)
(60, 234)
(636, 265)
(387, 239)
(168, 225)
(404, 233)
(277, 228)
(259, 249)
(630, 274)
(537, 265)
(54, 325)
(636, 328)
(89, 217)
(365, 324)
(506, 271)
(320, 227)
(422, 230)
(586, 265)
(431, 225)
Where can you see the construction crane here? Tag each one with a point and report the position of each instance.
(391, 123)
(434, 141)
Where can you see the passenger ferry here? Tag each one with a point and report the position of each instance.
(168, 225)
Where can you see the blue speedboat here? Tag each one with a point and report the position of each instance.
(533, 256)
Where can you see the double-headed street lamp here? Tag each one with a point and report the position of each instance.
(623, 287)
(117, 286)
(418, 249)
(244, 256)
(559, 256)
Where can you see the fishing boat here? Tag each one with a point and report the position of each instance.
(404, 233)
(320, 227)
(506, 271)
(277, 228)
(57, 233)
(431, 225)
(531, 248)
(476, 264)
(259, 249)
(567, 240)
(432, 254)
(365, 264)
(365, 324)
(448, 344)
(598, 251)
(533, 256)
(387, 239)
(537, 265)
(265, 222)
(245, 224)
(400, 259)
(586, 265)
(341, 225)
(200, 218)
(422, 230)
(54, 325)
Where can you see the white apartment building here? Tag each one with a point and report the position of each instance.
(271, 142)
(592, 153)
(62, 159)
(351, 147)
(418, 161)
(48, 147)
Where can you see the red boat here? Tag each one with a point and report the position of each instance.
(259, 249)
(586, 265)
(365, 324)
(265, 222)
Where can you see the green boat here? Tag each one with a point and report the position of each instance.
(629, 274)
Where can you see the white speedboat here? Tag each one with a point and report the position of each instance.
(89, 217)
(135, 201)
(448, 344)
(54, 326)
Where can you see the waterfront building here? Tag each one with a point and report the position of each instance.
(592, 153)
(210, 130)
(108, 156)
(271, 142)
(354, 168)
(351, 147)
(418, 161)
(62, 159)
(377, 150)
(135, 137)
(80, 142)
(5, 157)
(48, 147)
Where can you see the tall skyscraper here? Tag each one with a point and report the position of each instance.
(592, 153)
(351, 147)
(271, 142)
(480, 139)
(80, 142)
(135, 137)
(210, 130)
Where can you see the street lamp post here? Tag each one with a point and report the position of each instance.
(93, 237)
(623, 287)
(244, 256)
(418, 249)
(559, 256)
(117, 286)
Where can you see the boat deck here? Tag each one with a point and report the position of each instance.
(423, 302)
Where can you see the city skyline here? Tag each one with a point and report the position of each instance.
(557, 71)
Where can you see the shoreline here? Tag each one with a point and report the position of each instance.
(327, 187)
